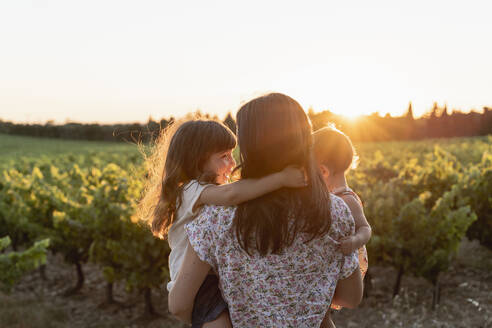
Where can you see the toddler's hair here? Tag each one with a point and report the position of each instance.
(178, 157)
(334, 149)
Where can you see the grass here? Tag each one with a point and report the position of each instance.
(22, 146)
(19, 312)
(15, 149)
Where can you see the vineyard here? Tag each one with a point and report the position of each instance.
(71, 204)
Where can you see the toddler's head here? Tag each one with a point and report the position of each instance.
(334, 151)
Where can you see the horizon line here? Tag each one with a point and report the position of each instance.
(203, 114)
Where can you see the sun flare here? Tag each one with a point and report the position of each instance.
(352, 116)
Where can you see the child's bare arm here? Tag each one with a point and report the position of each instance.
(363, 230)
(247, 189)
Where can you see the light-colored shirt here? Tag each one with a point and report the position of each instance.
(176, 235)
(290, 289)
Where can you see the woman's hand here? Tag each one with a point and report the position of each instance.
(348, 245)
(293, 177)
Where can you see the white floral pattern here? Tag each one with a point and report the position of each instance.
(291, 289)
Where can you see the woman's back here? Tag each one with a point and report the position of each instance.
(290, 289)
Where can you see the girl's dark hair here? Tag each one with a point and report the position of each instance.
(334, 149)
(274, 132)
(179, 156)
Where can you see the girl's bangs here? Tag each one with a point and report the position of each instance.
(223, 140)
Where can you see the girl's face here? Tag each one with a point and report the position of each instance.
(222, 164)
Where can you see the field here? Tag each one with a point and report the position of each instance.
(15, 147)
(425, 201)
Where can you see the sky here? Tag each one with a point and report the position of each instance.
(125, 61)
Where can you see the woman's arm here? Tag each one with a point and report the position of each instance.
(190, 277)
(363, 230)
(348, 292)
(247, 189)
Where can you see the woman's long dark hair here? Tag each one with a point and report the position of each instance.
(274, 132)
(179, 156)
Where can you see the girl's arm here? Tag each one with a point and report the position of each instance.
(191, 275)
(363, 230)
(247, 189)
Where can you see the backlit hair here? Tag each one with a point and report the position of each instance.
(179, 155)
(275, 132)
(334, 149)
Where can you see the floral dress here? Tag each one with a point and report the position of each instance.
(290, 289)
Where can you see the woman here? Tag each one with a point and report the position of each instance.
(278, 256)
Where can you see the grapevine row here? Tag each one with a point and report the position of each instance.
(420, 205)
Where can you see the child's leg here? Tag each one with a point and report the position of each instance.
(327, 322)
(209, 308)
(223, 321)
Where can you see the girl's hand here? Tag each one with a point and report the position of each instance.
(348, 245)
(293, 177)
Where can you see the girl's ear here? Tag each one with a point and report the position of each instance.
(324, 171)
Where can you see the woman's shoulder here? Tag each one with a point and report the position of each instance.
(218, 211)
(214, 216)
(338, 206)
(342, 221)
(210, 225)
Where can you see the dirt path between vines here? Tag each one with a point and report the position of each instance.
(466, 300)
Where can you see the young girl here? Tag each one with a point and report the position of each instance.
(335, 156)
(198, 163)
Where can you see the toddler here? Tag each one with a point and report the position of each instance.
(335, 155)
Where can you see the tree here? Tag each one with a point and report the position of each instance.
(409, 114)
(230, 122)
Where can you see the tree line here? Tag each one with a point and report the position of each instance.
(437, 123)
